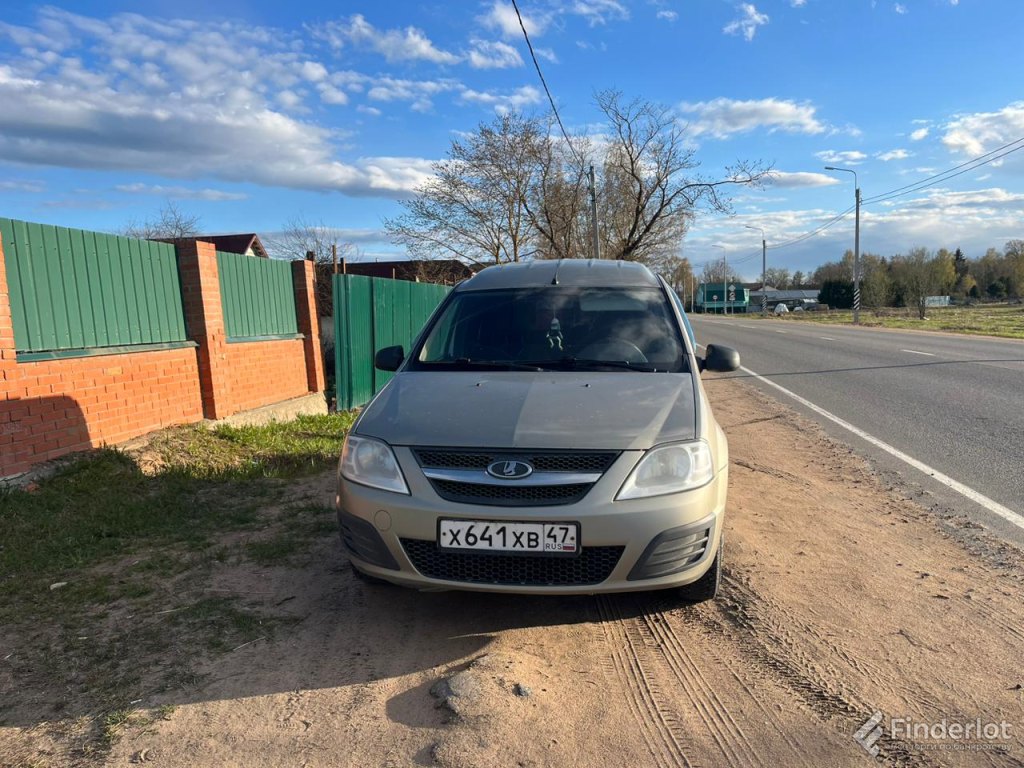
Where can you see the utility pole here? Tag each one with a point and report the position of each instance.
(856, 242)
(593, 215)
(764, 269)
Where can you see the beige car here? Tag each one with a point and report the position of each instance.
(547, 433)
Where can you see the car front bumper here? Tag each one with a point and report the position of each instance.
(626, 546)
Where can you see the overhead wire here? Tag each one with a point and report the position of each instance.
(543, 82)
(930, 181)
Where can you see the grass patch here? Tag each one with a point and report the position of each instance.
(1006, 321)
(299, 526)
(105, 506)
(128, 540)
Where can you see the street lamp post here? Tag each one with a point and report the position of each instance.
(764, 269)
(856, 242)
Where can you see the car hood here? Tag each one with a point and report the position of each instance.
(619, 411)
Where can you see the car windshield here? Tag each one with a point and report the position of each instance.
(555, 328)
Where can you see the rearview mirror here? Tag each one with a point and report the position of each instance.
(389, 358)
(720, 359)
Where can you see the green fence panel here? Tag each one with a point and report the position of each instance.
(257, 297)
(371, 313)
(71, 289)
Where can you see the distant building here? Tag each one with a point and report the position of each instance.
(247, 244)
(716, 297)
(441, 271)
(791, 298)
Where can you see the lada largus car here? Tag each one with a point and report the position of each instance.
(546, 433)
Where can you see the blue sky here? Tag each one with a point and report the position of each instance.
(249, 114)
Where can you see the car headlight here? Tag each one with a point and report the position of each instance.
(669, 469)
(371, 462)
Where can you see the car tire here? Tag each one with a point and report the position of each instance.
(367, 578)
(706, 587)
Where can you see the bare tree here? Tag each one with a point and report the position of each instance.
(778, 277)
(474, 208)
(718, 271)
(918, 276)
(169, 222)
(303, 238)
(651, 191)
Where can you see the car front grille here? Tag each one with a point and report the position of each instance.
(510, 495)
(542, 461)
(489, 491)
(592, 566)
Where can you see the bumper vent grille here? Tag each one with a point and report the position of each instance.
(592, 566)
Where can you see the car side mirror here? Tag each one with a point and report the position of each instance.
(720, 359)
(389, 358)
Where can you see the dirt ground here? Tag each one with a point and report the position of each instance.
(843, 597)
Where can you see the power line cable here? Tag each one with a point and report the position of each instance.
(951, 173)
(946, 176)
(544, 83)
(942, 176)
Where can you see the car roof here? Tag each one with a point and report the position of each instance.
(589, 273)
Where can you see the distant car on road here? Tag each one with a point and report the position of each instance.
(547, 433)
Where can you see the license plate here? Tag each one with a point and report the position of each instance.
(498, 536)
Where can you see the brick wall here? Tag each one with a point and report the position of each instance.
(54, 407)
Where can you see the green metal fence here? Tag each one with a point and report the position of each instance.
(72, 291)
(371, 313)
(257, 296)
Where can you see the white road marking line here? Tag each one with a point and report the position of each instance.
(826, 338)
(915, 352)
(782, 331)
(1007, 514)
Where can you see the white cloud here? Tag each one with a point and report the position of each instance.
(493, 54)
(750, 19)
(180, 193)
(801, 179)
(418, 93)
(331, 95)
(981, 132)
(919, 134)
(893, 154)
(369, 110)
(18, 185)
(850, 157)
(546, 53)
(798, 3)
(313, 71)
(600, 12)
(182, 101)
(667, 15)
(409, 44)
(723, 117)
(900, 9)
(502, 17)
(521, 97)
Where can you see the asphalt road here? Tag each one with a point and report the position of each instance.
(955, 403)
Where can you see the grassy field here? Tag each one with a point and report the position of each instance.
(106, 566)
(991, 320)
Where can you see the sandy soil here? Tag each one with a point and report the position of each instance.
(842, 598)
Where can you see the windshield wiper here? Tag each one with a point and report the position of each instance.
(577, 363)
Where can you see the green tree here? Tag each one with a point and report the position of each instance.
(798, 279)
(837, 293)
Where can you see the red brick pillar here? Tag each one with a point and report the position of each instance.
(11, 460)
(204, 319)
(304, 279)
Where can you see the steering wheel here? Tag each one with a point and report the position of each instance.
(614, 349)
